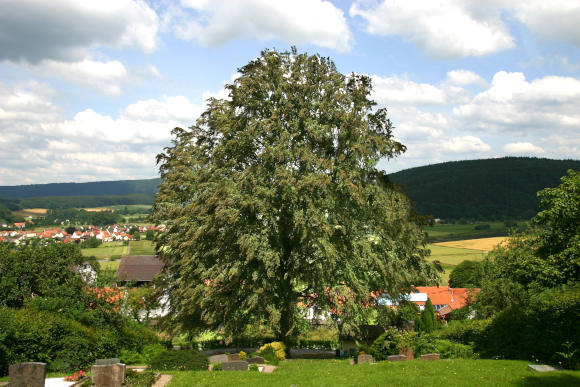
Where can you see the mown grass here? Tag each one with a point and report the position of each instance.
(451, 257)
(110, 265)
(459, 372)
(143, 247)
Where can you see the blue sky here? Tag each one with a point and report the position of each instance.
(90, 90)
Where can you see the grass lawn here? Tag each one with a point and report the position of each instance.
(106, 250)
(142, 247)
(411, 373)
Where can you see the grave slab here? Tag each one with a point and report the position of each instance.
(365, 358)
(29, 374)
(397, 358)
(543, 368)
(430, 356)
(218, 359)
(256, 360)
(111, 375)
(113, 360)
(233, 357)
(238, 365)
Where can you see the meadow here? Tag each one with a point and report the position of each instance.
(451, 372)
(106, 250)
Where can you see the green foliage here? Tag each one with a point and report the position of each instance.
(484, 226)
(217, 367)
(468, 274)
(48, 271)
(277, 348)
(428, 322)
(74, 216)
(142, 357)
(183, 360)
(275, 193)
(139, 379)
(269, 356)
(253, 367)
(150, 235)
(493, 189)
(92, 243)
(390, 343)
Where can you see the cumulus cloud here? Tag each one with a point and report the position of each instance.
(554, 19)
(464, 78)
(465, 144)
(213, 23)
(514, 105)
(401, 91)
(38, 144)
(443, 29)
(522, 148)
(64, 30)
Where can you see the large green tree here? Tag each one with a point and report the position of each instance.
(274, 197)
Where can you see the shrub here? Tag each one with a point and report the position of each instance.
(269, 355)
(467, 274)
(184, 360)
(450, 350)
(253, 367)
(277, 347)
(139, 379)
(243, 355)
(217, 367)
(390, 343)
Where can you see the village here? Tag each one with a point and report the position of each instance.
(19, 235)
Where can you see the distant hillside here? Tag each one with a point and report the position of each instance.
(121, 187)
(503, 188)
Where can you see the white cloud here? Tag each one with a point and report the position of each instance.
(522, 148)
(442, 28)
(64, 30)
(401, 91)
(39, 145)
(554, 19)
(213, 23)
(466, 144)
(464, 78)
(514, 105)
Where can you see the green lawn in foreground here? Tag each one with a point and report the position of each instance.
(106, 250)
(142, 247)
(457, 372)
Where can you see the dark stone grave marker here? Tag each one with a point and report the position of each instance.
(256, 360)
(238, 365)
(364, 358)
(108, 375)
(397, 358)
(430, 356)
(29, 374)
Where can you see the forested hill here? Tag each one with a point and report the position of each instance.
(503, 188)
(121, 187)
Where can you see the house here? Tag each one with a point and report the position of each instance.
(139, 268)
(444, 299)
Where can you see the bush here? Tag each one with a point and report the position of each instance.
(269, 356)
(253, 367)
(243, 355)
(277, 347)
(450, 350)
(483, 226)
(390, 343)
(184, 360)
(467, 274)
(139, 379)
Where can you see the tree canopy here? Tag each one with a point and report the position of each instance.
(274, 197)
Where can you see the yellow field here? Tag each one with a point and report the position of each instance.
(34, 212)
(98, 209)
(483, 244)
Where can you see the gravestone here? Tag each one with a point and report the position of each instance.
(233, 357)
(364, 358)
(256, 360)
(408, 352)
(430, 356)
(397, 358)
(238, 365)
(113, 360)
(108, 375)
(218, 359)
(543, 368)
(29, 374)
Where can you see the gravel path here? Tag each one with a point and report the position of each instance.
(162, 381)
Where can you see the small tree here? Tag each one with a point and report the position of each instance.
(150, 235)
(468, 274)
(136, 235)
(428, 321)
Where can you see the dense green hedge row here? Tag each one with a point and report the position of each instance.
(257, 342)
(29, 334)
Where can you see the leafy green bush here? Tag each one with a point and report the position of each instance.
(270, 356)
(277, 347)
(467, 274)
(184, 360)
(450, 350)
(390, 343)
(217, 367)
(139, 379)
(253, 367)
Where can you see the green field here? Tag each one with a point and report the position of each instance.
(110, 265)
(106, 250)
(445, 232)
(451, 257)
(142, 247)
(457, 372)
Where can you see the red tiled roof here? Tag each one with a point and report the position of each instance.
(444, 295)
